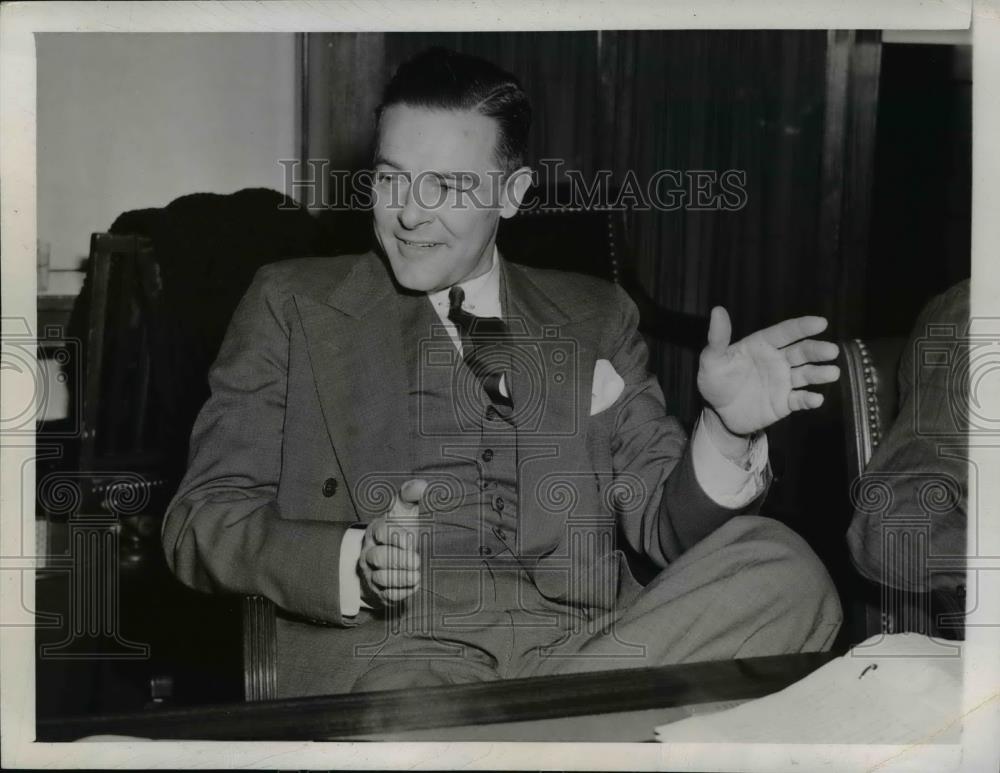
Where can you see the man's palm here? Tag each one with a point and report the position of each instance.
(758, 380)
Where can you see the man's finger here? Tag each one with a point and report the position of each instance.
(792, 330)
(810, 350)
(383, 532)
(720, 330)
(377, 532)
(801, 400)
(391, 557)
(804, 375)
(394, 578)
(401, 536)
(398, 594)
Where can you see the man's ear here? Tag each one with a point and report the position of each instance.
(514, 188)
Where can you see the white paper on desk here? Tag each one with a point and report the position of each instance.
(905, 689)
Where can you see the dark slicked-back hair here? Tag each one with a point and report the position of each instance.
(439, 78)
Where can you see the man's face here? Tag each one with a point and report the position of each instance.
(439, 195)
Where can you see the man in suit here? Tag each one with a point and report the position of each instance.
(431, 459)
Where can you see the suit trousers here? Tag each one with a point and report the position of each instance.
(753, 587)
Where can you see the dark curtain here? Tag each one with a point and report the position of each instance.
(717, 101)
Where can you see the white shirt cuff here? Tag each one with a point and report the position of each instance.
(350, 582)
(727, 482)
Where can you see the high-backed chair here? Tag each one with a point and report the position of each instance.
(119, 396)
(146, 347)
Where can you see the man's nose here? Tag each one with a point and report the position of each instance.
(413, 214)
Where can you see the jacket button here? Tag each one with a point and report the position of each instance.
(329, 487)
(488, 455)
(485, 550)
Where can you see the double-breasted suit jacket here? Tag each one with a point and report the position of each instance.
(309, 405)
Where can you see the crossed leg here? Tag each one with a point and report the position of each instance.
(751, 588)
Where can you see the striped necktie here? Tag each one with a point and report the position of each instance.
(482, 345)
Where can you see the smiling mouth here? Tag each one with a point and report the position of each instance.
(417, 245)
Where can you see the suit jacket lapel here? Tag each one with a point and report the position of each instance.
(355, 351)
(560, 326)
(359, 366)
(553, 366)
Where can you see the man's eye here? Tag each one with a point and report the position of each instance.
(384, 178)
(462, 184)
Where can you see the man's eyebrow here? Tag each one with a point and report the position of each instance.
(460, 176)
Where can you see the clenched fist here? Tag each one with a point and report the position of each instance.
(389, 564)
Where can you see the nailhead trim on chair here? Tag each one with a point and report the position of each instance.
(612, 252)
(871, 384)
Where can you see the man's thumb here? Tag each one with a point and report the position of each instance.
(407, 503)
(413, 490)
(720, 330)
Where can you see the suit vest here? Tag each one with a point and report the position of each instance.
(471, 458)
(460, 443)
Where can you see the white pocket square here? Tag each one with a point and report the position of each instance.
(607, 388)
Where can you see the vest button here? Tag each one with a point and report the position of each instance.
(500, 534)
(485, 550)
(329, 487)
(498, 503)
(488, 455)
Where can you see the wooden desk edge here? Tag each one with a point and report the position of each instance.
(515, 700)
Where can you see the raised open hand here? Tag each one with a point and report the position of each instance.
(760, 379)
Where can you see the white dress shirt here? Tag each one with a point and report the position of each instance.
(730, 483)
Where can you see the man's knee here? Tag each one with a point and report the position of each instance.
(778, 564)
(408, 674)
(397, 677)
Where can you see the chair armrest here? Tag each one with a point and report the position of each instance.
(871, 400)
(260, 649)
